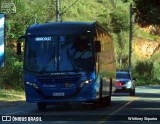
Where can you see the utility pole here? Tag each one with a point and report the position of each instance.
(58, 11)
(130, 41)
(35, 18)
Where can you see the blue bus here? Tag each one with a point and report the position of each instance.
(68, 62)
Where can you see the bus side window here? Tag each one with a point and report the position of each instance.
(97, 46)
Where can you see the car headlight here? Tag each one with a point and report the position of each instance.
(32, 85)
(129, 84)
(85, 82)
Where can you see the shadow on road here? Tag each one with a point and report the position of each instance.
(6, 104)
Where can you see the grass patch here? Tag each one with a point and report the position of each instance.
(145, 35)
(11, 95)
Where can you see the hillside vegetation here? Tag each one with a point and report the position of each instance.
(112, 14)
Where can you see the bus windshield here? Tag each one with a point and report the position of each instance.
(59, 53)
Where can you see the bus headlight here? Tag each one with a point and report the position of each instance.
(32, 85)
(85, 82)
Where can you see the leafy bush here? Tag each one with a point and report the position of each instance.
(144, 69)
(156, 71)
(11, 74)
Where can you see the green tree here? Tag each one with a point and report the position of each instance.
(120, 24)
(147, 12)
(120, 20)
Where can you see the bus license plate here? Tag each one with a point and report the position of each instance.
(58, 94)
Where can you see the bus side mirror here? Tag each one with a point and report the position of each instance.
(97, 46)
(19, 44)
(19, 48)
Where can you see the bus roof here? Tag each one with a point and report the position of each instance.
(60, 28)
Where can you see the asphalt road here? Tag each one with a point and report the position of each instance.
(144, 107)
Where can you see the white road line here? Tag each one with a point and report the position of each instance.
(119, 109)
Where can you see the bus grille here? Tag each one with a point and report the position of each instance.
(58, 78)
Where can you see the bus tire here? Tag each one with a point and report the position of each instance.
(105, 101)
(110, 92)
(108, 100)
(101, 98)
(41, 106)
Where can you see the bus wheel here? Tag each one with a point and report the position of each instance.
(108, 100)
(105, 101)
(41, 106)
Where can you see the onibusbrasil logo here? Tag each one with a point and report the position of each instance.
(21, 118)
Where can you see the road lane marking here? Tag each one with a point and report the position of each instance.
(157, 109)
(119, 109)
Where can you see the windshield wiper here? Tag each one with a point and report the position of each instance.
(71, 61)
(53, 59)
